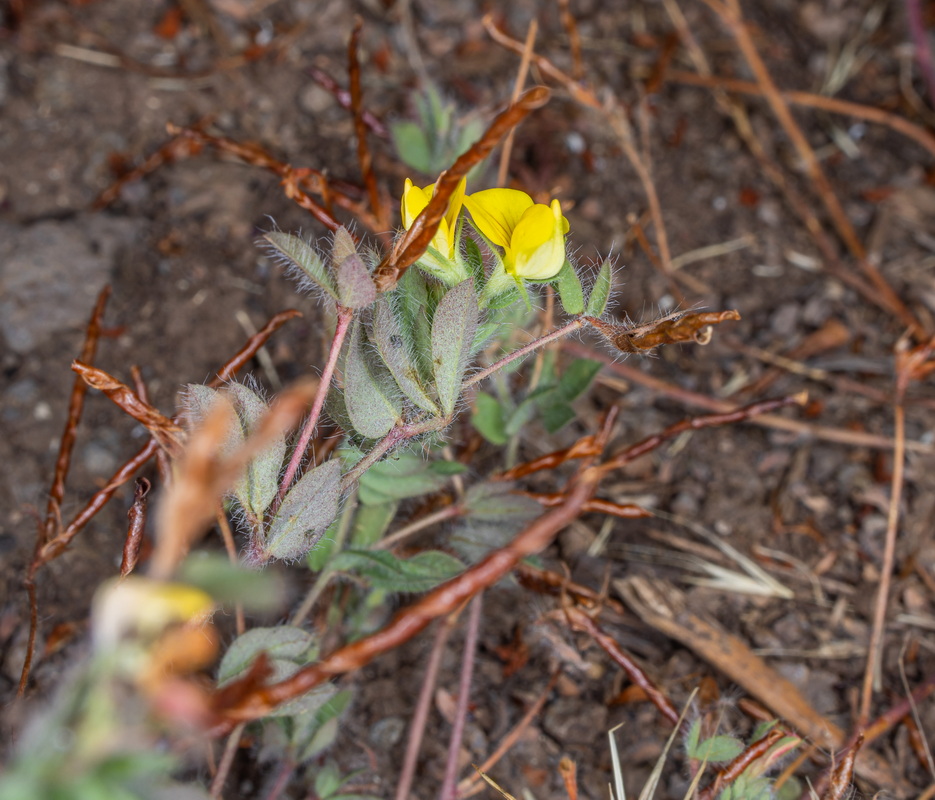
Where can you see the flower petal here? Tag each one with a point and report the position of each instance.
(414, 200)
(496, 212)
(455, 204)
(538, 242)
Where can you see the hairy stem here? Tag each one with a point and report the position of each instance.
(345, 315)
(524, 351)
(393, 439)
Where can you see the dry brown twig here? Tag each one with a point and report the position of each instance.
(48, 527)
(698, 400)
(912, 364)
(364, 159)
(580, 621)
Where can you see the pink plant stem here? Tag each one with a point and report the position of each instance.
(345, 315)
(524, 351)
(423, 706)
(449, 786)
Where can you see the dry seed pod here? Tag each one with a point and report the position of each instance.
(671, 329)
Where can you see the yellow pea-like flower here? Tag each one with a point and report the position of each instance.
(532, 235)
(415, 199)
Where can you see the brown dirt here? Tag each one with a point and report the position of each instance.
(178, 249)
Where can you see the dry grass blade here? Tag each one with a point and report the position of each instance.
(730, 13)
(912, 363)
(649, 788)
(833, 104)
(665, 608)
(414, 241)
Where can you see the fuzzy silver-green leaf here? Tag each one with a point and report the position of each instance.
(453, 329)
(307, 510)
(369, 406)
(305, 257)
(394, 350)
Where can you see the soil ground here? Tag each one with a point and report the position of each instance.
(86, 84)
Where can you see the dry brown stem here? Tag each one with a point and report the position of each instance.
(364, 159)
(698, 400)
(833, 105)
(580, 621)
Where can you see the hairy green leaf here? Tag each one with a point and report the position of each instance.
(369, 406)
(414, 310)
(411, 145)
(453, 329)
(342, 247)
(371, 522)
(233, 583)
(394, 350)
(577, 378)
(382, 570)
(497, 502)
(407, 475)
(281, 642)
(307, 510)
(315, 733)
(198, 402)
(569, 289)
(600, 293)
(714, 750)
(256, 490)
(556, 416)
(488, 419)
(305, 257)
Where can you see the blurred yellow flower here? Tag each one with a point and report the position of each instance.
(532, 235)
(416, 199)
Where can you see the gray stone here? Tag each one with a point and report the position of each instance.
(51, 273)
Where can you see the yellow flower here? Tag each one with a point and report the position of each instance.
(532, 235)
(416, 199)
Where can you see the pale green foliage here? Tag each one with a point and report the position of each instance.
(432, 143)
(308, 509)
